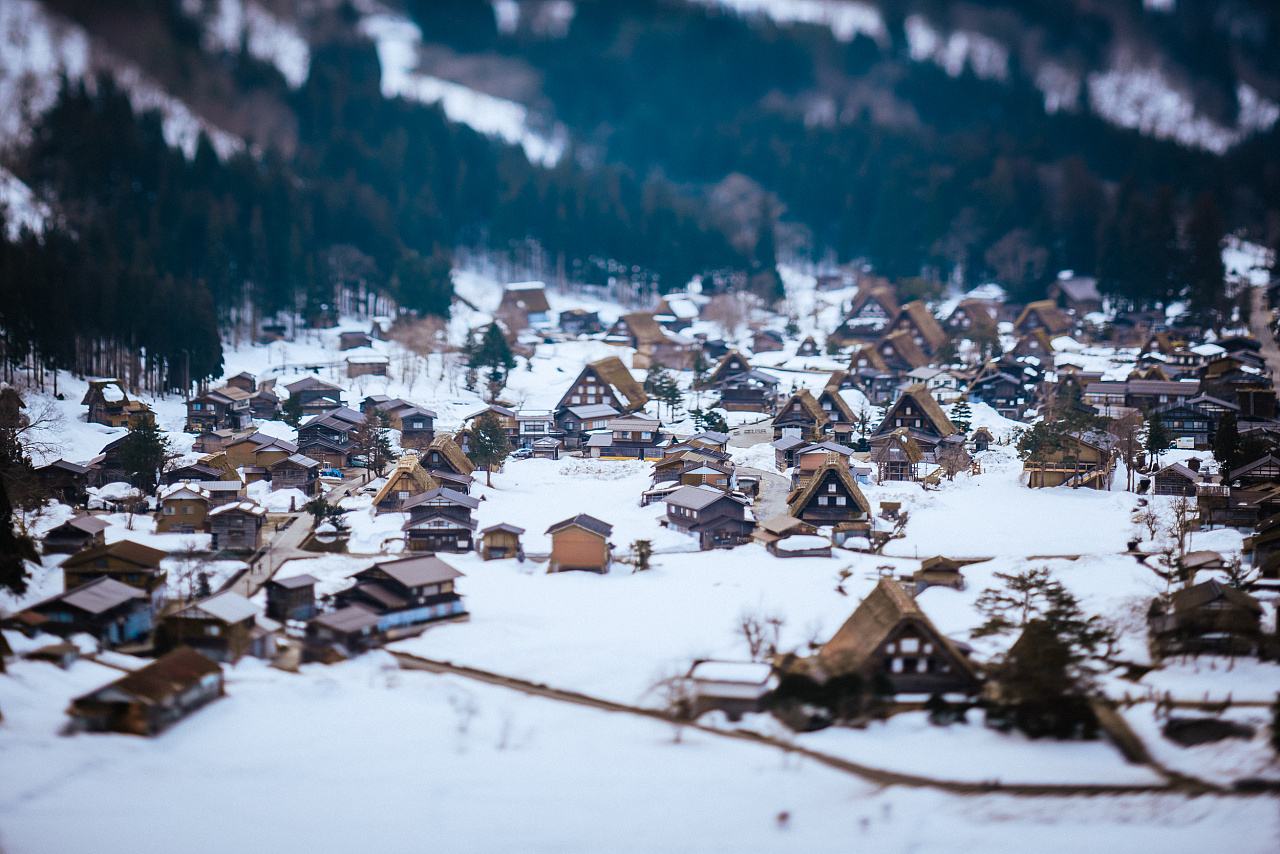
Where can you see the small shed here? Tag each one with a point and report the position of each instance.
(582, 543)
(733, 687)
(501, 541)
(149, 700)
(81, 532)
(374, 365)
(292, 598)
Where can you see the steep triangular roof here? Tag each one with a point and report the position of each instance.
(833, 467)
(642, 327)
(875, 619)
(611, 370)
(450, 450)
(918, 315)
(905, 347)
(809, 404)
(732, 363)
(919, 394)
(1047, 311)
(831, 391)
(408, 471)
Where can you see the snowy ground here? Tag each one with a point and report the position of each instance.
(361, 754)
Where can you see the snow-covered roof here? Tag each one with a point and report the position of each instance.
(229, 607)
(751, 672)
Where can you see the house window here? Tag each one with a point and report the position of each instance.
(168, 510)
(840, 500)
(831, 487)
(909, 645)
(822, 501)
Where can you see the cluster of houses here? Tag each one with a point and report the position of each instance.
(903, 359)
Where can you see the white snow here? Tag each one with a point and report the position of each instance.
(397, 40)
(268, 38)
(845, 18)
(957, 50)
(1247, 263)
(20, 206)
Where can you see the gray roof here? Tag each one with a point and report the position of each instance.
(88, 524)
(100, 595)
(582, 520)
(593, 410)
(713, 436)
(352, 618)
(229, 607)
(451, 495)
(293, 582)
(503, 526)
(694, 497)
(416, 571)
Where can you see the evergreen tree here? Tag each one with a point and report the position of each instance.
(16, 547)
(291, 410)
(1157, 439)
(641, 552)
(143, 453)
(1204, 270)
(961, 415)
(1034, 595)
(489, 445)
(372, 441)
(1226, 443)
(492, 353)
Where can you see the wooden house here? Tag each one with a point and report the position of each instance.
(152, 698)
(717, 519)
(808, 347)
(920, 415)
(1003, 389)
(354, 339)
(900, 353)
(524, 305)
(1082, 460)
(253, 449)
(974, 319)
(291, 598)
(1263, 470)
(237, 527)
(750, 391)
(1043, 314)
(225, 408)
(1078, 294)
(110, 404)
(943, 385)
(341, 634)
(580, 543)
(579, 321)
(79, 532)
(811, 458)
(785, 450)
(575, 423)
(1206, 618)
(447, 464)
(869, 315)
(869, 373)
(735, 688)
(224, 627)
(367, 365)
(842, 419)
(918, 322)
(124, 560)
(676, 312)
(889, 636)
(629, 437)
(183, 509)
(938, 571)
(653, 344)
(407, 479)
(328, 437)
(730, 364)
(112, 612)
(415, 423)
(830, 497)
(801, 416)
(982, 439)
(296, 471)
(64, 481)
(316, 395)
(767, 341)
(498, 542)
(440, 521)
(406, 593)
(1176, 479)
(606, 381)
(897, 456)
(197, 472)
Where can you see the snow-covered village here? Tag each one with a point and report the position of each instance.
(387, 462)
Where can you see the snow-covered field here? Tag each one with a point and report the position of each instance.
(363, 755)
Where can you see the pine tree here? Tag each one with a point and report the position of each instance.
(291, 411)
(15, 547)
(489, 445)
(372, 441)
(143, 453)
(1157, 439)
(1204, 270)
(961, 415)
(1226, 443)
(494, 354)
(641, 552)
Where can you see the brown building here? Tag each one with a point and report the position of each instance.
(606, 381)
(653, 344)
(580, 543)
(1083, 459)
(831, 496)
(917, 321)
(237, 527)
(888, 635)
(803, 415)
(126, 561)
(407, 480)
(109, 404)
(224, 627)
(152, 698)
(183, 509)
(292, 598)
(81, 532)
(501, 541)
(1206, 618)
